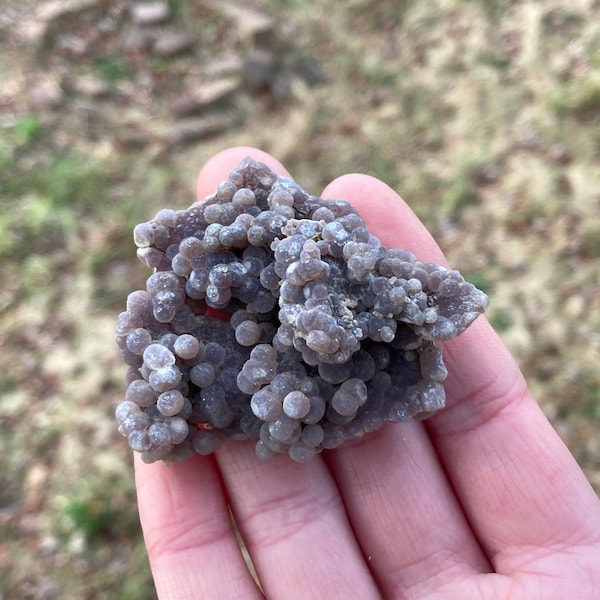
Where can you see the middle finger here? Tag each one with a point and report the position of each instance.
(404, 512)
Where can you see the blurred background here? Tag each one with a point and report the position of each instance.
(485, 116)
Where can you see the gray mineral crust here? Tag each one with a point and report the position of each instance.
(276, 316)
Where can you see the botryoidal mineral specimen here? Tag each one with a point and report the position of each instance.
(274, 315)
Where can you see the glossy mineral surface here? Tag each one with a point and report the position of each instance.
(276, 316)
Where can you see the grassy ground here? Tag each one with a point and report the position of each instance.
(484, 116)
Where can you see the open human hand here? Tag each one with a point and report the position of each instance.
(482, 501)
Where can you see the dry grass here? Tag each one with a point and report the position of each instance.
(483, 115)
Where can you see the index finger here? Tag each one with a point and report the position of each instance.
(517, 482)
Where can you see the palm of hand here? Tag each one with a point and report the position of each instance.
(482, 501)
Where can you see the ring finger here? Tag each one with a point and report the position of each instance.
(295, 526)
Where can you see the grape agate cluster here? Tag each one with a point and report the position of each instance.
(275, 316)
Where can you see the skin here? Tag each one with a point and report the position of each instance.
(483, 500)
